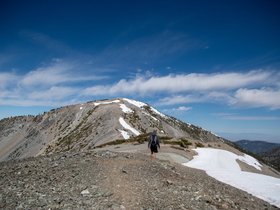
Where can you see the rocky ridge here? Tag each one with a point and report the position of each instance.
(114, 180)
(82, 127)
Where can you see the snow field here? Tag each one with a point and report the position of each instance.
(150, 116)
(222, 165)
(125, 109)
(159, 113)
(135, 103)
(106, 102)
(124, 134)
(128, 127)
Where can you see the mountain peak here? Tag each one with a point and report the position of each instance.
(87, 125)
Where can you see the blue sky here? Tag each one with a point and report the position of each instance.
(214, 64)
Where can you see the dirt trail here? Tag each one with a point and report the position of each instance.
(182, 155)
(165, 152)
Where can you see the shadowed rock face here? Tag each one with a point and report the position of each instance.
(84, 126)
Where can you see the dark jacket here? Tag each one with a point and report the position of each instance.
(152, 136)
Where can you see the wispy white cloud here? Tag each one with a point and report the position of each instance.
(53, 84)
(184, 82)
(265, 97)
(60, 81)
(56, 73)
(178, 109)
(49, 75)
(54, 93)
(250, 98)
(184, 108)
(7, 79)
(258, 88)
(181, 99)
(199, 97)
(233, 116)
(31, 102)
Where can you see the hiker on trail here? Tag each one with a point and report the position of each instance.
(153, 144)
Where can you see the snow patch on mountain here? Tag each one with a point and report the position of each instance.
(124, 134)
(215, 134)
(128, 127)
(141, 105)
(250, 161)
(151, 116)
(159, 113)
(125, 109)
(106, 102)
(222, 165)
(135, 103)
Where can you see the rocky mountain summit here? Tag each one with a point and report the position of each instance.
(114, 180)
(84, 126)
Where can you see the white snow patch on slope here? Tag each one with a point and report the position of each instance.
(128, 127)
(106, 102)
(125, 109)
(151, 116)
(81, 108)
(141, 104)
(135, 103)
(215, 134)
(222, 165)
(250, 161)
(124, 134)
(157, 112)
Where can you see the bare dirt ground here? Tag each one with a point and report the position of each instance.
(114, 180)
(182, 155)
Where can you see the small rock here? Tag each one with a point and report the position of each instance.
(124, 171)
(198, 197)
(2, 205)
(168, 182)
(108, 194)
(225, 206)
(55, 165)
(122, 207)
(85, 192)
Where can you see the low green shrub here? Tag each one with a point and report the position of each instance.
(198, 144)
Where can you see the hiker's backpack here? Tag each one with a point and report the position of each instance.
(154, 140)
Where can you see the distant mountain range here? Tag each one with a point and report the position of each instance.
(272, 157)
(269, 152)
(256, 147)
